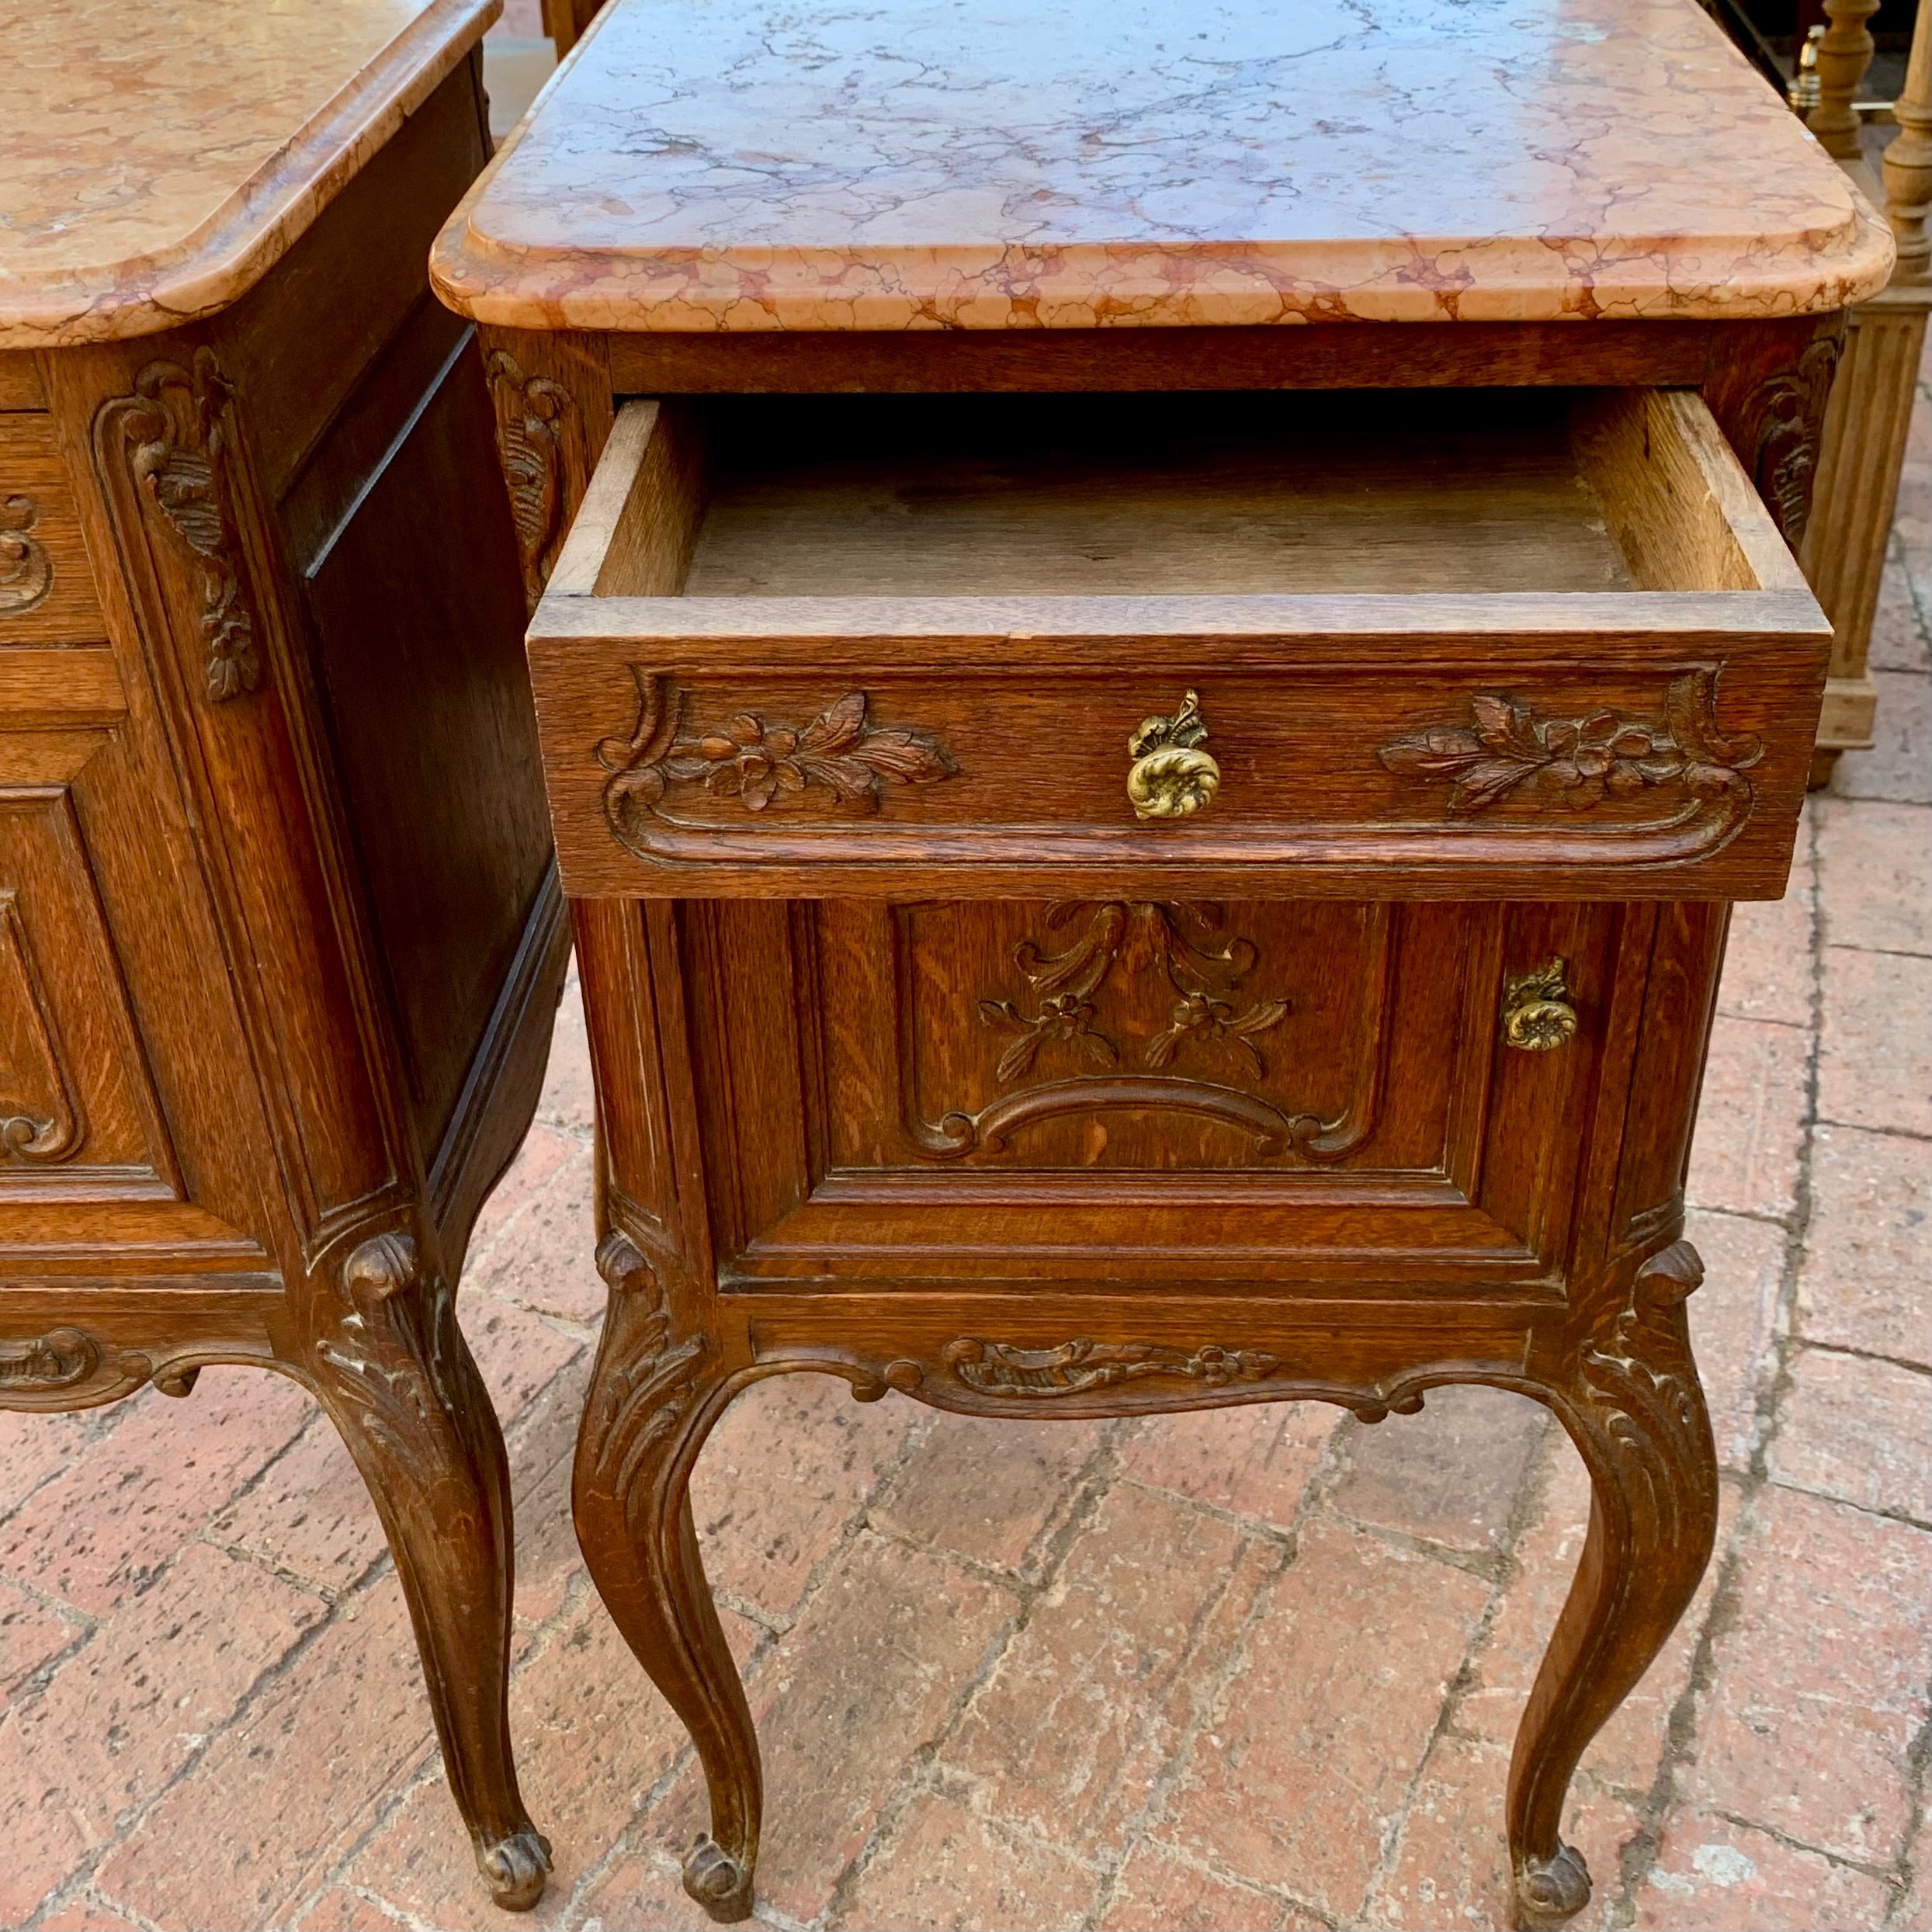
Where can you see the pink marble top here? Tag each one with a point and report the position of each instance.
(157, 156)
(1010, 164)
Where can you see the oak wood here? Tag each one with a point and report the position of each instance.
(280, 937)
(1018, 614)
(988, 1097)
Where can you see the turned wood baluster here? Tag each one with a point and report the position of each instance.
(1843, 55)
(1907, 162)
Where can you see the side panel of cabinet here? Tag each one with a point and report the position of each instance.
(408, 564)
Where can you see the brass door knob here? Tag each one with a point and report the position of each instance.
(1537, 1011)
(1171, 777)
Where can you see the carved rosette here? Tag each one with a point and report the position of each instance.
(177, 434)
(534, 418)
(1575, 764)
(27, 572)
(644, 1392)
(758, 764)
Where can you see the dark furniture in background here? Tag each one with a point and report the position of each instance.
(280, 934)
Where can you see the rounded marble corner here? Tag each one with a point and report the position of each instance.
(177, 237)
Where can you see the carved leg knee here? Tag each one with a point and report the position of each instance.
(652, 1401)
(396, 1375)
(1635, 1411)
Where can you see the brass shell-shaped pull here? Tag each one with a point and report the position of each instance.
(1537, 1011)
(1171, 777)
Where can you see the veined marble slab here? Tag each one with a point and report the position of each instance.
(717, 165)
(157, 157)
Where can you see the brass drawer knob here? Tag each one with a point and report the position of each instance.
(1171, 777)
(1537, 1012)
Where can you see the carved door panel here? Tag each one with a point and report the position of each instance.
(1212, 1096)
(78, 1113)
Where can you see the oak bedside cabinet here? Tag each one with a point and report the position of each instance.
(280, 934)
(1168, 629)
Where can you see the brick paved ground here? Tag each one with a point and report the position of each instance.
(1256, 1669)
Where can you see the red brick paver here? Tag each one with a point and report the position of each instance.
(1256, 1669)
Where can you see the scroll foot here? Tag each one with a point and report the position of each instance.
(718, 1882)
(1549, 1891)
(514, 1869)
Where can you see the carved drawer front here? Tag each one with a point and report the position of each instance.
(1219, 1096)
(47, 591)
(1499, 644)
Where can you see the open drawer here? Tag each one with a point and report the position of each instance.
(1539, 644)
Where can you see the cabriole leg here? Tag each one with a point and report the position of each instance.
(396, 1377)
(652, 1401)
(1635, 1411)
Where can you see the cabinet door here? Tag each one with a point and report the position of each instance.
(1217, 1097)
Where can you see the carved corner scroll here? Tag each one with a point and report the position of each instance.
(759, 763)
(176, 433)
(40, 1117)
(27, 572)
(1204, 1054)
(1575, 764)
(534, 417)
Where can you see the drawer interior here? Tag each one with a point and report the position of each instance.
(1412, 492)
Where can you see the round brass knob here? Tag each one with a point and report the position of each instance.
(1173, 783)
(1171, 777)
(1537, 1012)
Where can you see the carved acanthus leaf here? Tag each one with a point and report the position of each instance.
(761, 764)
(397, 1350)
(646, 1394)
(1789, 412)
(533, 416)
(1576, 763)
(180, 424)
(27, 572)
(1641, 1388)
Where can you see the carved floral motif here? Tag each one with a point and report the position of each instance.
(1164, 975)
(533, 416)
(179, 422)
(997, 1368)
(1576, 763)
(1005, 1372)
(27, 573)
(1178, 942)
(839, 751)
(56, 1360)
